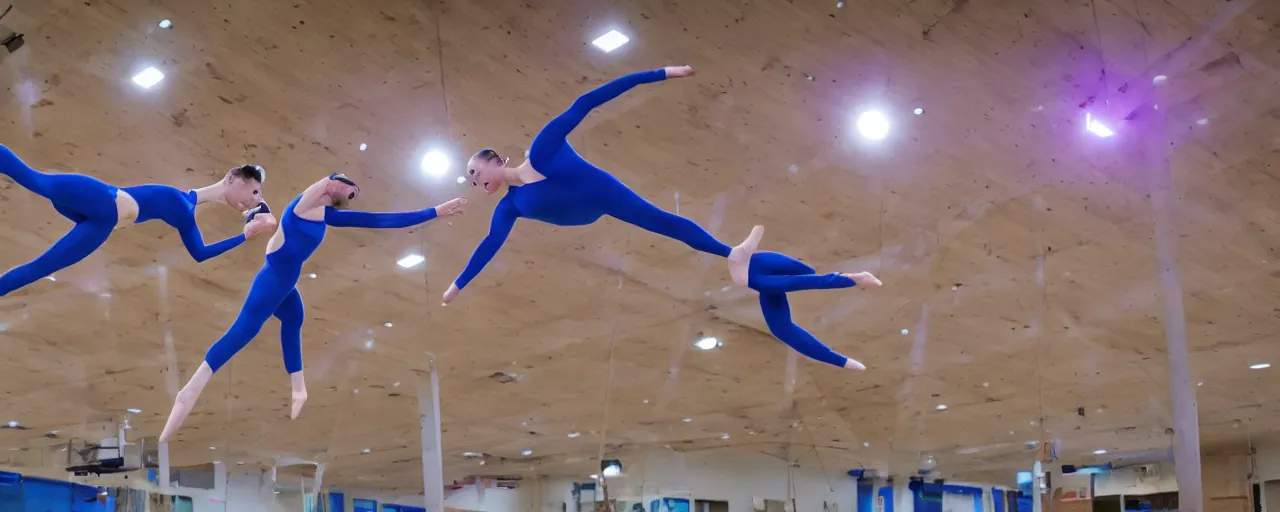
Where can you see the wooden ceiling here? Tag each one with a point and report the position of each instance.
(1017, 250)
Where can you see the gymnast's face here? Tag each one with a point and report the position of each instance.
(243, 193)
(487, 169)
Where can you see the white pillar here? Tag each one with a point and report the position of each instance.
(429, 416)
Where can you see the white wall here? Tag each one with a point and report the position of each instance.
(1125, 481)
(488, 500)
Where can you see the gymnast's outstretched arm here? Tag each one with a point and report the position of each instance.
(194, 242)
(552, 135)
(347, 218)
(504, 218)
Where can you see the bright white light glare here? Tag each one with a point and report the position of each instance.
(435, 163)
(51, 278)
(388, 325)
(687, 420)
(213, 448)
(366, 451)
(462, 179)
(918, 111)
(594, 476)
(724, 436)
(526, 453)
(1096, 127)
(411, 260)
(942, 407)
(135, 411)
(13, 424)
(1202, 121)
(1099, 452)
(1159, 79)
(312, 275)
(707, 343)
(363, 146)
(1260, 366)
(611, 471)
(873, 125)
(866, 445)
(905, 332)
(611, 41)
(148, 78)
(166, 24)
(574, 434)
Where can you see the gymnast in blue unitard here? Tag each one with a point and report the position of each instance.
(97, 209)
(773, 275)
(555, 185)
(274, 292)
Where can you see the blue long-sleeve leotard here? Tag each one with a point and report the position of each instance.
(576, 193)
(274, 290)
(773, 275)
(91, 204)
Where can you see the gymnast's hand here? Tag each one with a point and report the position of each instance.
(863, 279)
(678, 71)
(259, 221)
(451, 293)
(451, 207)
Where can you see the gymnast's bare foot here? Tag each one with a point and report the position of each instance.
(298, 396)
(740, 256)
(854, 365)
(863, 279)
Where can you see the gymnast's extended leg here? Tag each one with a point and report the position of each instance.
(86, 201)
(291, 315)
(266, 294)
(624, 204)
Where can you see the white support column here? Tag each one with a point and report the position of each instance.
(1182, 393)
(164, 466)
(429, 416)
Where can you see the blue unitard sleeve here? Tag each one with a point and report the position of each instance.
(549, 140)
(199, 251)
(351, 219)
(504, 218)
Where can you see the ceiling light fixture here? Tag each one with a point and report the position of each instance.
(708, 343)
(148, 78)
(435, 163)
(610, 41)
(411, 261)
(1260, 366)
(873, 125)
(166, 24)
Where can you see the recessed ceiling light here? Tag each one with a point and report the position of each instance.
(148, 78)
(1096, 127)
(472, 455)
(645, 401)
(368, 345)
(610, 41)
(435, 163)
(240, 463)
(707, 343)
(366, 451)
(573, 435)
(724, 436)
(388, 325)
(1202, 121)
(942, 407)
(411, 260)
(594, 476)
(611, 471)
(1099, 452)
(526, 452)
(866, 445)
(1159, 79)
(166, 24)
(873, 125)
(918, 111)
(363, 146)
(14, 424)
(395, 384)
(462, 179)
(1260, 366)
(905, 332)
(687, 420)
(1201, 383)
(212, 448)
(134, 411)
(312, 275)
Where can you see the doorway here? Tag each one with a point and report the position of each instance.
(710, 506)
